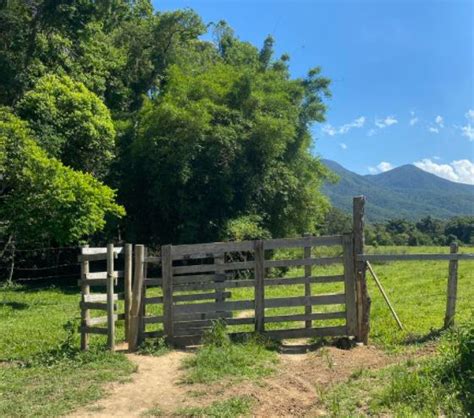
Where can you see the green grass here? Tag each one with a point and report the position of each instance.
(42, 371)
(232, 407)
(220, 358)
(442, 385)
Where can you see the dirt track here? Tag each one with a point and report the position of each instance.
(292, 391)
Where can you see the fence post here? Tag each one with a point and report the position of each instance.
(259, 255)
(127, 285)
(452, 288)
(110, 298)
(167, 275)
(363, 300)
(85, 314)
(308, 309)
(350, 284)
(138, 284)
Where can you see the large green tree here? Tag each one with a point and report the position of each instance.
(71, 123)
(41, 199)
(225, 140)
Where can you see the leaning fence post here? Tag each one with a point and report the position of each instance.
(85, 290)
(110, 298)
(127, 285)
(363, 300)
(138, 283)
(452, 288)
(167, 275)
(259, 255)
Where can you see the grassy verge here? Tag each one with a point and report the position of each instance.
(42, 372)
(219, 358)
(229, 408)
(442, 385)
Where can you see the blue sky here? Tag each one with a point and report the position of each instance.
(402, 72)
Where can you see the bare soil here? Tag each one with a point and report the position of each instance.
(291, 391)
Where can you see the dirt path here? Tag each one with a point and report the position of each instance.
(292, 391)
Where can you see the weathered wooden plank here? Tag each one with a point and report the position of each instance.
(211, 248)
(101, 297)
(167, 273)
(307, 332)
(307, 284)
(303, 262)
(259, 287)
(93, 282)
(199, 296)
(330, 299)
(99, 250)
(103, 319)
(93, 305)
(452, 288)
(308, 241)
(127, 285)
(153, 299)
(214, 307)
(102, 275)
(207, 268)
(153, 319)
(138, 285)
(210, 322)
(413, 257)
(85, 291)
(228, 284)
(350, 284)
(319, 316)
(98, 255)
(93, 330)
(111, 306)
(289, 281)
(153, 282)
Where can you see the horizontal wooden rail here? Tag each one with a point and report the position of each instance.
(100, 297)
(215, 306)
(334, 299)
(320, 316)
(413, 257)
(289, 281)
(228, 284)
(153, 260)
(211, 248)
(303, 262)
(205, 268)
(102, 275)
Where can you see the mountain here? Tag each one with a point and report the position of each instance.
(404, 192)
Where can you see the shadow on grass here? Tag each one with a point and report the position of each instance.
(315, 344)
(15, 305)
(423, 338)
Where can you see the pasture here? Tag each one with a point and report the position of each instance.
(43, 373)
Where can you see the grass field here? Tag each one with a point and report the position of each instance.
(42, 373)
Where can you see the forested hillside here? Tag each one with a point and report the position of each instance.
(404, 192)
(120, 122)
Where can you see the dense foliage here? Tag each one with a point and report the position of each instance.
(426, 231)
(203, 140)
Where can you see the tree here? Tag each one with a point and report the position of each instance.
(71, 123)
(42, 200)
(224, 141)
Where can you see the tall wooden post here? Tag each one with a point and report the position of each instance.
(363, 300)
(127, 285)
(452, 288)
(138, 284)
(167, 275)
(350, 285)
(308, 309)
(85, 313)
(110, 298)
(259, 255)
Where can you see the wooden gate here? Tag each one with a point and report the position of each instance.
(189, 286)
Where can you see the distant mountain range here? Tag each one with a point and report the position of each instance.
(404, 192)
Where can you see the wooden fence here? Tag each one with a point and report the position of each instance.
(192, 286)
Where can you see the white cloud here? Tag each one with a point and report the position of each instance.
(433, 129)
(380, 168)
(387, 121)
(413, 121)
(470, 114)
(435, 157)
(341, 130)
(468, 131)
(461, 171)
(439, 121)
(343, 146)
